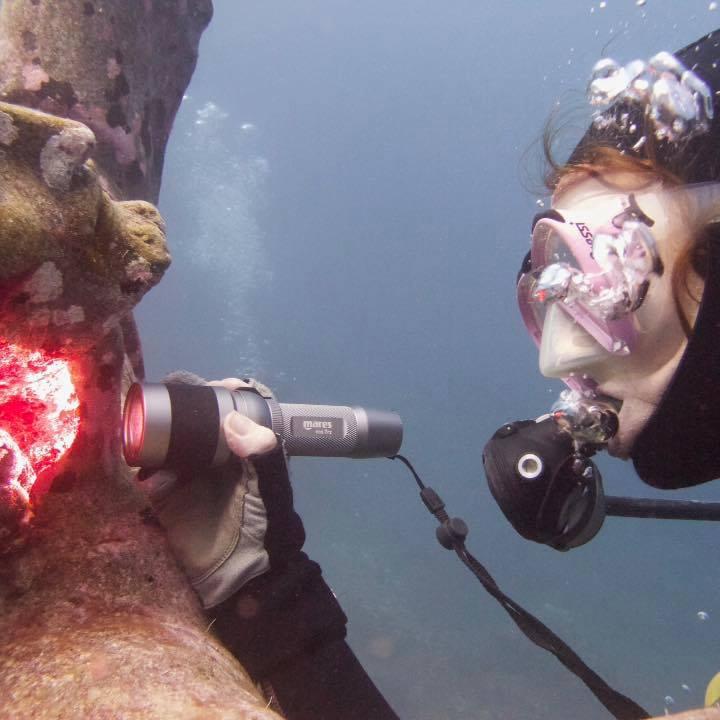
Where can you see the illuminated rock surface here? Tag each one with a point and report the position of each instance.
(96, 620)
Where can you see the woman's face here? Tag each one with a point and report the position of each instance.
(639, 378)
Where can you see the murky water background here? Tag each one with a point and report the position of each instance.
(348, 200)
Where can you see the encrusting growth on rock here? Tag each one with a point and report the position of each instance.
(96, 619)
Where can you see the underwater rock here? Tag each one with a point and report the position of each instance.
(119, 66)
(72, 260)
(96, 619)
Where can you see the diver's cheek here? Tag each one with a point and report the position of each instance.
(565, 347)
(634, 415)
(640, 394)
(659, 330)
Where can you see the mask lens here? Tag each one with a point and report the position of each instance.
(556, 250)
(570, 283)
(549, 247)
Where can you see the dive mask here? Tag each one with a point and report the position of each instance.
(588, 271)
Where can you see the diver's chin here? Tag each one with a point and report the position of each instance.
(617, 449)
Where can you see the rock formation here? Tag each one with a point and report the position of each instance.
(96, 620)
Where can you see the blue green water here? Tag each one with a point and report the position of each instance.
(348, 193)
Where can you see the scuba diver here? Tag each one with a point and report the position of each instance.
(621, 292)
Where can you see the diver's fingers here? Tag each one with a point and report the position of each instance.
(159, 485)
(230, 383)
(245, 437)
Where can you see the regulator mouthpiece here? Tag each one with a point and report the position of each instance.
(590, 421)
(180, 426)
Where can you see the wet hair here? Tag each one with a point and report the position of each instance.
(597, 157)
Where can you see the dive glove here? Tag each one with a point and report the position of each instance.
(217, 520)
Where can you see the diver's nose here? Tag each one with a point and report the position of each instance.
(565, 346)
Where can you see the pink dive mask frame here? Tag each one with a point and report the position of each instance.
(615, 336)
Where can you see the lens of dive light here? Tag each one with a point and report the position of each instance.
(133, 425)
(146, 425)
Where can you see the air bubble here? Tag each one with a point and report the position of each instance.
(712, 6)
(703, 616)
(640, 3)
(676, 100)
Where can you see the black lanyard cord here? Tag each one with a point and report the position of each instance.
(451, 535)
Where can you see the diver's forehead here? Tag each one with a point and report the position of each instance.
(593, 196)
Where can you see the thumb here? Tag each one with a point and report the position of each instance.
(245, 437)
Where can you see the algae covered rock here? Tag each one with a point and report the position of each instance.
(96, 619)
(69, 255)
(119, 66)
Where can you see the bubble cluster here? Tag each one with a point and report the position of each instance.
(209, 112)
(677, 102)
(589, 420)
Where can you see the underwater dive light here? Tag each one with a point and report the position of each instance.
(180, 426)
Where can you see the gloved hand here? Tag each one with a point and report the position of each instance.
(217, 521)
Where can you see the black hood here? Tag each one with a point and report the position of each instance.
(680, 445)
(695, 160)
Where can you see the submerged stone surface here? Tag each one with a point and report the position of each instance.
(96, 619)
(119, 66)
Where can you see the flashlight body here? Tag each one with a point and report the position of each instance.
(181, 426)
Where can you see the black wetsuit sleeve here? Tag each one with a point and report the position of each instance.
(286, 626)
(288, 630)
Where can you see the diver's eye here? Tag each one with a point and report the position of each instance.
(632, 212)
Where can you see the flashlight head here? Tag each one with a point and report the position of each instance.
(146, 425)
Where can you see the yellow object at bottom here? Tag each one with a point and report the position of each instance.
(712, 694)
